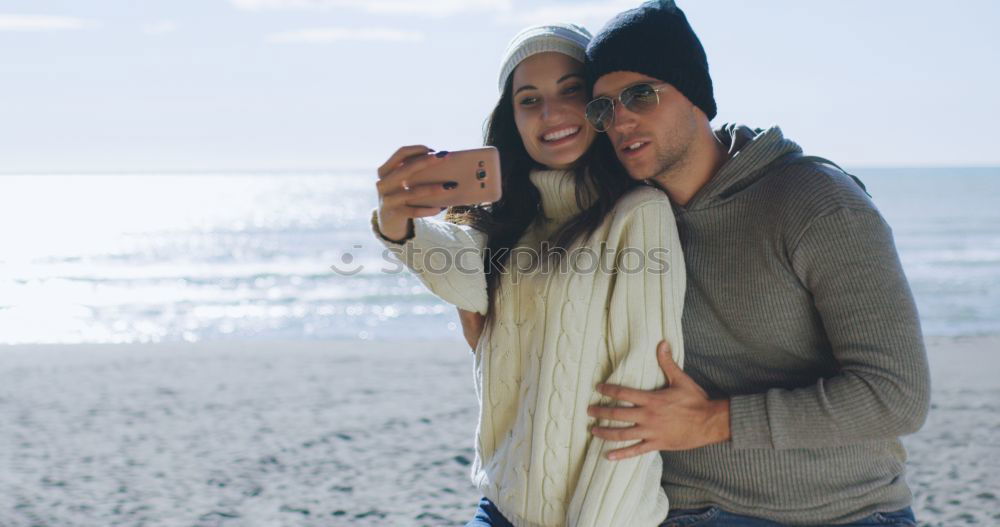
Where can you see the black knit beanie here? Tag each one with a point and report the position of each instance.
(654, 39)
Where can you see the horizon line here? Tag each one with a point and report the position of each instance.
(305, 170)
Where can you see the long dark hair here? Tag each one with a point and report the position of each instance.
(505, 221)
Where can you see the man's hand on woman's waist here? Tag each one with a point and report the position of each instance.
(679, 416)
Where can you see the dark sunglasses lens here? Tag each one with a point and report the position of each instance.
(600, 113)
(640, 98)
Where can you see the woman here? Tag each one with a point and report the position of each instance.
(567, 304)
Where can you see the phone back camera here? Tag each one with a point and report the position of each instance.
(481, 174)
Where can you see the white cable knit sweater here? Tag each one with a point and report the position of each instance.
(555, 336)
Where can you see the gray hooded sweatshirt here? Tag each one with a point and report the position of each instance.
(798, 310)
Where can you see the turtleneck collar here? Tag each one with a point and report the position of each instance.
(558, 191)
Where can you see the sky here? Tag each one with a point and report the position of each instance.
(289, 85)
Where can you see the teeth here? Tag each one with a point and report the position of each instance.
(555, 136)
(634, 146)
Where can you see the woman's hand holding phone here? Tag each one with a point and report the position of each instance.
(395, 193)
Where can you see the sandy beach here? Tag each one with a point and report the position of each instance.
(342, 433)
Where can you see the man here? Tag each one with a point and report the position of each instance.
(804, 356)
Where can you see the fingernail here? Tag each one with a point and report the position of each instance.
(450, 185)
(441, 153)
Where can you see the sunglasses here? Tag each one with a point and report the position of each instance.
(638, 98)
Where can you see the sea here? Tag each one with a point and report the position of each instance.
(148, 257)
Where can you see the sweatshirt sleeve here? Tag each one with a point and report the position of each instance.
(646, 299)
(848, 261)
(446, 257)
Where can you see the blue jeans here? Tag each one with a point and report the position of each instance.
(487, 515)
(716, 517)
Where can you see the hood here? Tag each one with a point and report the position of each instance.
(750, 150)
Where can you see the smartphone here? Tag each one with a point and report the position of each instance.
(473, 175)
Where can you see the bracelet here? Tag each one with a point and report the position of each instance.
(409, 230)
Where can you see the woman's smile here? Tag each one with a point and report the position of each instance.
(561, 135)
